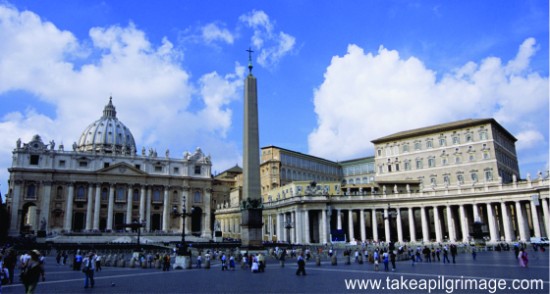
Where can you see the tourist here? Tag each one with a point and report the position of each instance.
(392, 260)
(199, 261)
(98, 263)
(446, 254)
(10, 261)
(255, 267)
(523, 258)
(166, 262)
(474, 253)
(232, 262)
(386, 260)
(454, 252)
(261, 262)
(89, 263)
(224, 261)
(301, 266)
(376, 257)
(77, 261)
(31, 272)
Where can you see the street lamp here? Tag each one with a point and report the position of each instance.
(183, 214)
(391, 214)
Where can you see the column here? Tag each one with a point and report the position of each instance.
(338, 220)
(437, 224)
(298, 225)
(97, 206)
(399, 226)
(491, 223)
(506, 222)
(306, 227)
(412, 229)
(278, 232)
(142, 204)
(425, 229)
(110, 207)
(451, 224)
(362, 225)
(293, 228)
(207, 233)
(535, 216)
(464, 225)
(323, 226)
(68, 224)
(148, 209)
(351, 236)
(374, 226)
(387, 225)
(186, 202)
(521, 222)
(45, 204)
(476, 213)
(166, 211)
(129, 207)
(89, 208)
(546, 216)
(15, 210)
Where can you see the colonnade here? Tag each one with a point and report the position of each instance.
(510, 220)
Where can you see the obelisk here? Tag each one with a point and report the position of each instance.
(251, 206)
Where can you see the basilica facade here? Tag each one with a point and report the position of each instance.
(102, 183)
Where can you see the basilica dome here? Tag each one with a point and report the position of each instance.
(107, 134)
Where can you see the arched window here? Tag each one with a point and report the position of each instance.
(460, 179)
(120, 193)
(156, 195)
(59, 192)
(80, 193)
(197, 197)
(135, 195)
(104, 194)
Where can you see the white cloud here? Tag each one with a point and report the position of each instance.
(151, 91)
(365, 96)
(271, 46)
(213, 33)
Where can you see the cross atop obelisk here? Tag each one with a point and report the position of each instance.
(249, 50)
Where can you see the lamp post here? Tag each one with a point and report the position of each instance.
(183, 214)
(389, 216)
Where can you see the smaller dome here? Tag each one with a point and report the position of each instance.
(107, 134)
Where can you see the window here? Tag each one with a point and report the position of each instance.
(486, 155)
(156, 195)
(158, 168)
(446, 180)
(457, 159)
(433, 181)
(104, 194)
(34, 159)
(406, 148)
(460, 179)
(138, 166)
(397, 167)
(472, 157)
(456, 140)
(444, 161)
(105, 164)
(417, 145)
(431, 162)
(380, 169)
(429, 144)
(419, 164)
(31, 191)
(80, 193)
(488, 175)
(197, 197)
(197, 169)
(474, 177)
(175, 197)
(59, 193)
(176, 170)
(469, 137)
(389, 168)
(83, 163)
(379, 152)
(61, 163)
(483, 135)
(442, 142)
(135, 195)
(407, 165)
(120, 193)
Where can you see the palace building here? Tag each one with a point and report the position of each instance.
(102, 183)
(448, 182)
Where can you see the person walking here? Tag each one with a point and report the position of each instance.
(474, 253)
(97, 263)
(199, 261)
(31, 272)
(89, 267)
(392, 260)
(301, 266)
(10, 261)
(386, 260)
(454, 252)
(446, 254)
(522, 258)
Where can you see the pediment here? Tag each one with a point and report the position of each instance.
(121, 168)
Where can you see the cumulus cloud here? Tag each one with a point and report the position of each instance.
(212, 33)
(365, 96)
(272, 46)
(152, 92)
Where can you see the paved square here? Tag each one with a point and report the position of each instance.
(320, 279)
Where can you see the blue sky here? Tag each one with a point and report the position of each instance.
(332, 75)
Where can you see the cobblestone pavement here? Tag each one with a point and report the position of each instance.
(490, 271)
